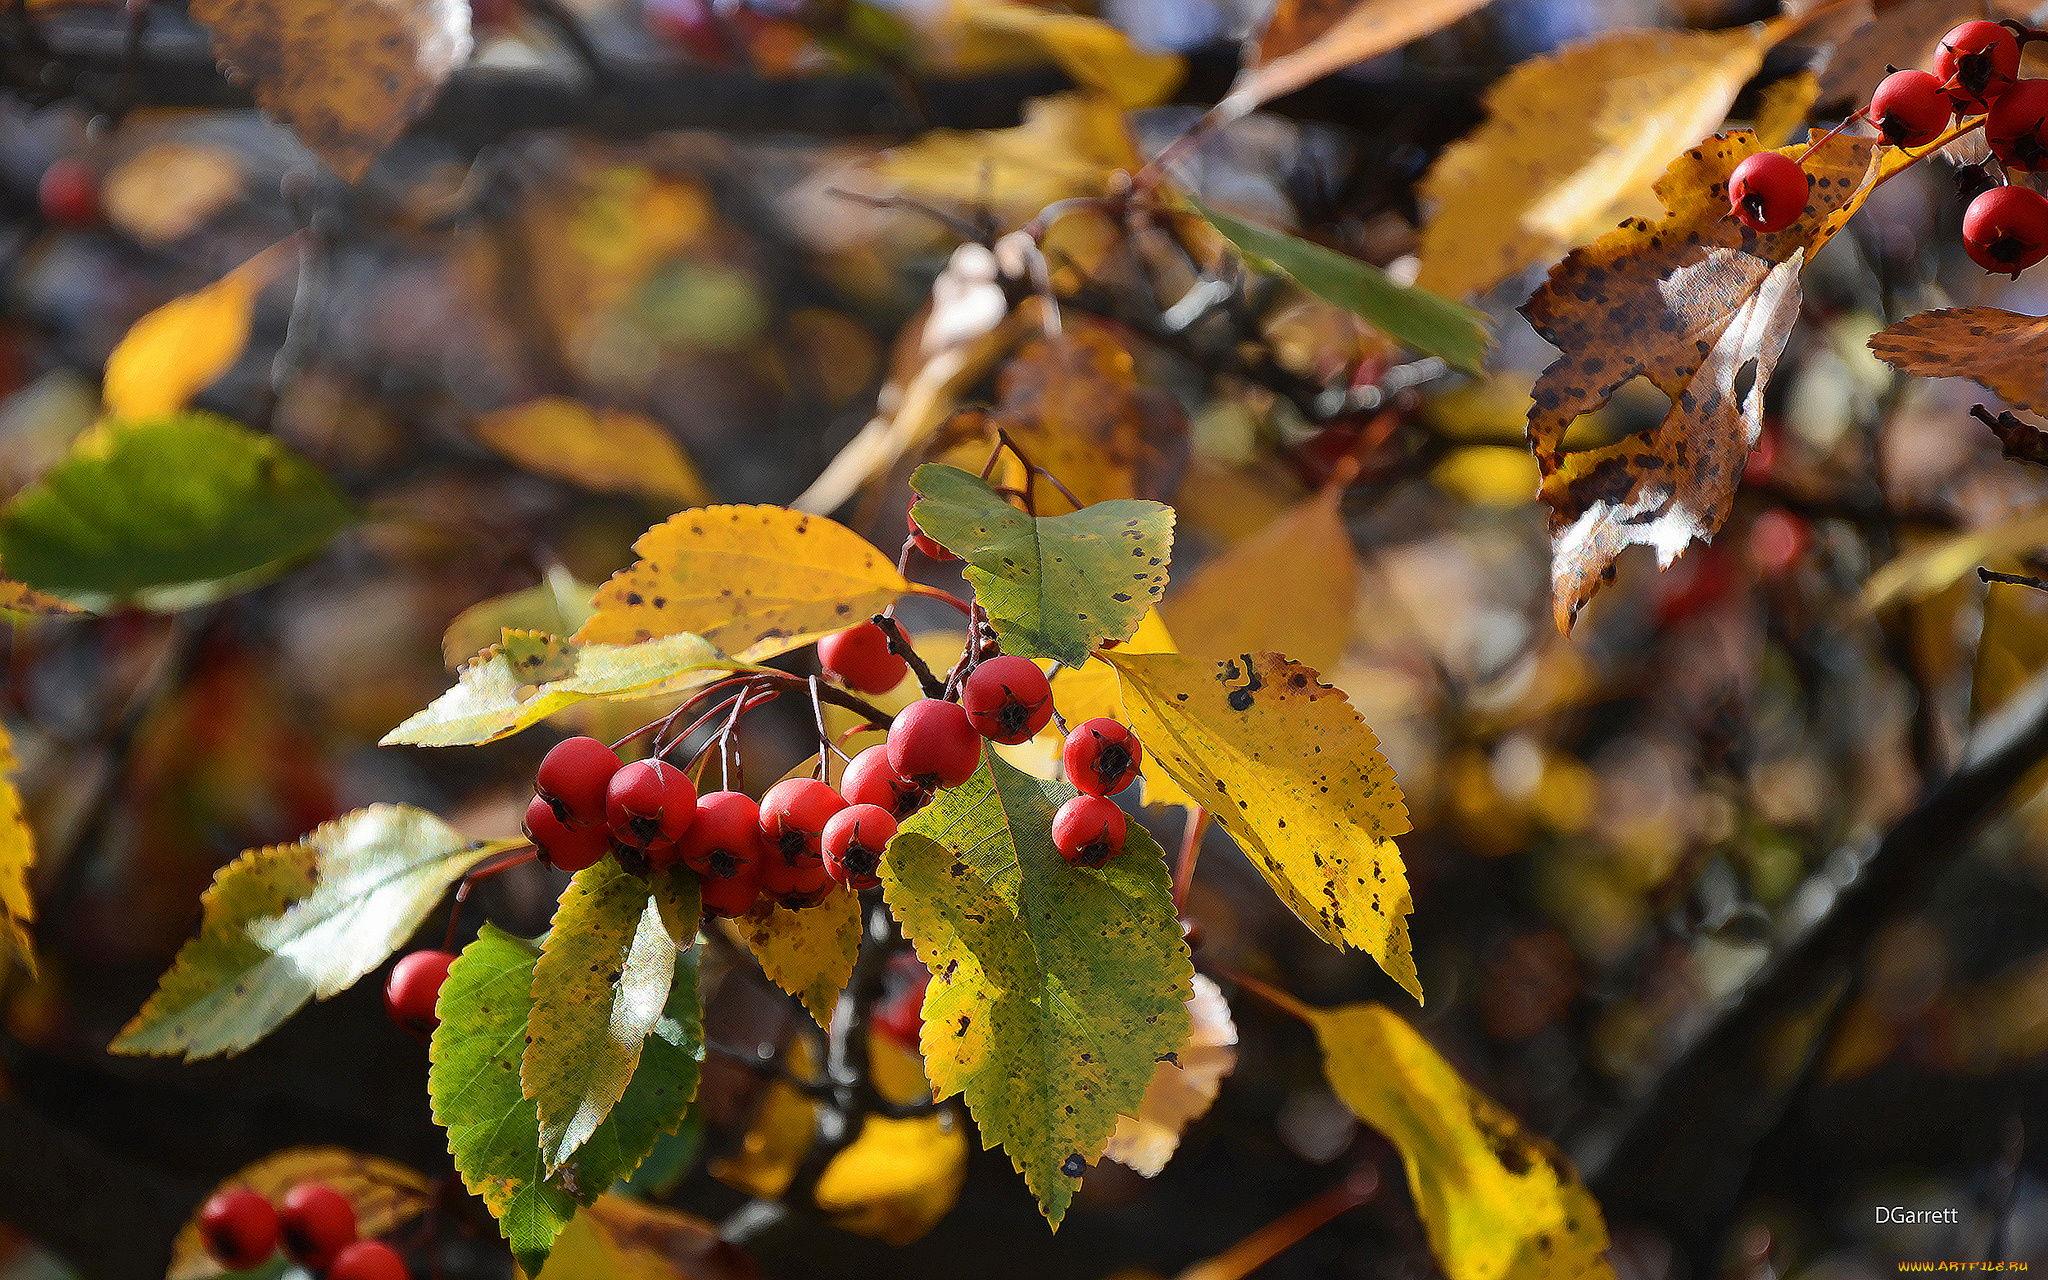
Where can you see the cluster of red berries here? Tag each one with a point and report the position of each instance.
(1976, 72)
(314, 1223)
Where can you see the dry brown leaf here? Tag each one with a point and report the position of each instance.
(1306, 40)
(2005, 351)
(347, 76)
(164, 193)
(605, 449)
(1572, 146)
(1903, 35)
(1073, 402)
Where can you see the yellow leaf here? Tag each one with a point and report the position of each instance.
(1182, 1089)
(17, 855)
(898, 1179)
(808, 953)
(557, 605)
(1489, 475)
(385, 1195)
(179, 349)
(607, 449)
(1785, 106)
(1073, 403)
(1306, 40)
(621, 1239)
(1496, 1201)
(779, 1137)
(1572, 145)
(754, 581)
(1927, 570)
(20, 598)
(991, 34)
(1070, 144)
(163, 193)
(1091, 690)
(1318, 822)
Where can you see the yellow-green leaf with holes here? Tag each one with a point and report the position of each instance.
(296, 922)
(17, 855)
(531, 675)
(1055, 989)
(1053, 586)
(808, 953)
(754, 581)
(1296, 778)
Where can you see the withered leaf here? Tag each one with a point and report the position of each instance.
(1306, 40)
(2005, 351)
(1075, 405)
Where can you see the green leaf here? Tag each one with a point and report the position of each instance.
(1055, 989)
(1426, 321)
(290, 923)
(1053, 586)
(531, 675)
(494, 1131)
(168, 514)
(598, 990)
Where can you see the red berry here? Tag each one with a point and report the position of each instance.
(1008, 699)
(870, 780)
(318, 1223)
(2017, 128)
(859, 658)
(68, 194)
(2005, 230)
(1978, 61)
(803, 883)
(1776, 541)
(368, 1260)
(561, 847)
(793, 818)
(1101, 756)
(725, 839)
(574, 774)
(1909, 108)
(1768, 191)
(854, 841)
(1089, 830)
(923, 542)
(649, 803)
(933, 744)
(732, 895)
(414, 986)
(900, 1012)
(239, 1227)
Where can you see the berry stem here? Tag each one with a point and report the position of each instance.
(1274, 996)
(1858, 114)
(521, 854)
(1190, 848)
(826, 747)
(899, 644)
(940, 594)
(1290, 1228)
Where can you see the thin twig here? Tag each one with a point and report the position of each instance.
(899, 644)
(2015, 579)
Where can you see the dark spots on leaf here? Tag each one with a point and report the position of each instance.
(633, 598)
(1074, 1166)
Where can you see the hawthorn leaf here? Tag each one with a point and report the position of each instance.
(604, 449)
(2002, 350)
(808, 953)
(347, 76)
(898, 1178)
(384, 1194)
(1572, 143)
(169, 513)
(1297, 779)
(1092, 689)
(1069, 144)
(1183, 1089)
(1495, 1200)
(1784, 106)
(619, 1238)
(752, 581)
(1410, 314)
(556, 606)
(17, 856)
(185, 345)
(529, 676)
(1052, 586)
(19, 597)
(1055, 989)
(599, 987)
(783, 1127)
(1305, 40)
(1075, 405)
(289, 923)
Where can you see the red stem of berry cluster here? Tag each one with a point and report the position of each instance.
(516, 858)
(1190, 848)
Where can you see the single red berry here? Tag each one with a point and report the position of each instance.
(1089, 830)
(1978, 61)
(725, 839)
(239, 1227)
(2005, 230)
(732, 895)
(414, 987)
(803, 883)
(68, 194)
(562, 847)
(1101, 756)
(859, 658)
(649, 803)
(2017, 128)
(318, 1222)
(793, 818)
(1008, 699)
(368, 1260)
(1768, 191)
(854, 841)
(573, 775)
(923, 542)
(933, 744)
(899, 1014)
(1909, 108)
(869, 780)
(1776, 541)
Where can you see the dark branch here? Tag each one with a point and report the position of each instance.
(2023, 441)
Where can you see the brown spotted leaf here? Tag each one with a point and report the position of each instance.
(2006, 352)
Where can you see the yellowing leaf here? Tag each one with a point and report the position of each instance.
(1074, 404)
(1496, 1201)
(19, 597)
(385, 1195)
(529, 676)
(1296, 778)
(607, 449)
(17, 855)
(557, 605)
(1785, 106)
(179, 349)
(347, 76)
(1924, 571)
(1092, 689)
(1069, 145)
(1306, 40)
(163, 193)
(753, 581)
(618, 1238)
(1572, 144)
(808, 953)
(898, 1178)
(1182, 1089)
(2006, 352)
(779, 1137)
(1489, 475)
(990, 34)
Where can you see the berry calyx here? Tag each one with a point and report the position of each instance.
(794, 884)
(1909, 108)
(1101, 756)
(923, 541)
(859, 658)
(2017, 128)
(368, 1260)
(2005, 230)
(854, 841)
(1089, 830)
(649, 805)
(562, 847)
(414, 987)
(1977, 62)
(573, 775)
(68, 194)
(1008, 699)
(793, 818)
(317, 1223)
(870, 780)
(1767, 191)
(239, 1228)
(732, 895)
(725, 839)
(934, 744)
